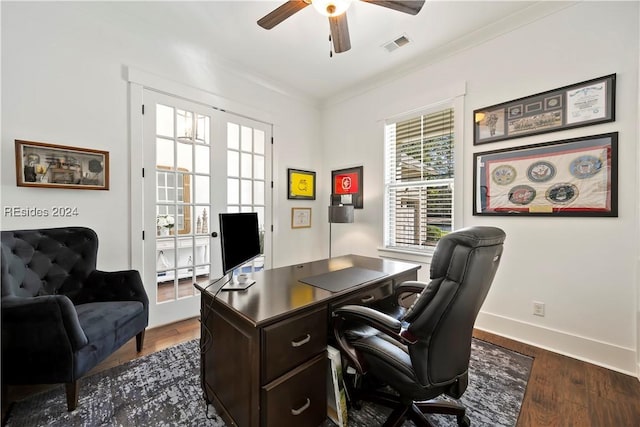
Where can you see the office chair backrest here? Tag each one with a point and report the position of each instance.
(442, 318)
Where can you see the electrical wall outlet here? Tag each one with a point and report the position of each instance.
(538, 308)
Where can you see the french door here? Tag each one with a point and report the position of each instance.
(198, 162)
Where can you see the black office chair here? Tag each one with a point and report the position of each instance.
(423, 352)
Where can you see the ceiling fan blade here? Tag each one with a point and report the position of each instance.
(340, 33)
(281, 13)
(410, 7)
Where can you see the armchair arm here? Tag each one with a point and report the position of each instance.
(44, 322)
(123, 285)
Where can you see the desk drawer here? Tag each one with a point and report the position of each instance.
(291, 342)
(367, 297)
(298, 398)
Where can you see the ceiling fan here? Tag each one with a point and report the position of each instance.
(336, 11)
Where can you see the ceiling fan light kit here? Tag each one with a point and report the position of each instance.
(331, 7)
(335, 10)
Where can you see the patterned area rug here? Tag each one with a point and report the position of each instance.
(163, 389)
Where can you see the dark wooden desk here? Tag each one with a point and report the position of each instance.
(264, 357)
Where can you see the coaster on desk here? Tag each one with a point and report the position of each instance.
(339, 280)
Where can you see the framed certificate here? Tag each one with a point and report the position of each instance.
(581, 104)
(300, 217)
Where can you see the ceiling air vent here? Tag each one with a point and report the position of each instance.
(395, 44)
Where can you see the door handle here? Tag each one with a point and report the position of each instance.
(368, 299)
(214, 234)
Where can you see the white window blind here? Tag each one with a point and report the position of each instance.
(419, 180)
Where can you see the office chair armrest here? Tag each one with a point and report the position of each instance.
(408, 287)
(371, 317)
(382, 322)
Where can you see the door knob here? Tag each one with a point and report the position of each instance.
(214, 234)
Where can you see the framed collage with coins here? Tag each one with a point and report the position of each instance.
(571, 177)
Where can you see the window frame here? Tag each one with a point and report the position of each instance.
(409, 252)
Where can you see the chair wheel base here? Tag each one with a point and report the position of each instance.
(464, 421)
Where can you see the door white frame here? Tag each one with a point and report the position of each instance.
(139, 80)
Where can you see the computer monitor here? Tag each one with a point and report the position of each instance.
(240, 242)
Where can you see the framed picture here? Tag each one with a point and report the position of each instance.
(581, 104)
(300, 217)
(40, 164)
(346, 187)
(301, 184)
(572, 177)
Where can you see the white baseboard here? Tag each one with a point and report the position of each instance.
(599, 353)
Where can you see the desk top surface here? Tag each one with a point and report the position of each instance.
(279, 292)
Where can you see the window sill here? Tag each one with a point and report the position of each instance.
(406, 255)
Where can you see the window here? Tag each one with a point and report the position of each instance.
(419, 180)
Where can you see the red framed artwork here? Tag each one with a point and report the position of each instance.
(346, 187)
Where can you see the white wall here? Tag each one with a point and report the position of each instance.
(64, 81)
(584, 269)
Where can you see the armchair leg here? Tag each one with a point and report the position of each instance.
(140, 341)
(72, 395)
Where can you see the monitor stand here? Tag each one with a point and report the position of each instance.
(234, 285)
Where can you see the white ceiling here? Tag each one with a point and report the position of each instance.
(294, 55)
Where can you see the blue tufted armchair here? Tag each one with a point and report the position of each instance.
(61, 316)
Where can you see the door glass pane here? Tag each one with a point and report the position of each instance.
(202, 220)
(185, 252)
(258, 167)
(233, 191)
(202, 159)
(245, 166)
(258, 192)
(164, 152)
(233, 136)
(233, 163)
(247, 138)
(185, 157)
(184, 125)
(165, 220)
(202, 129)
(245, 192)
(202, 189)
(164, 120)
(258, 141)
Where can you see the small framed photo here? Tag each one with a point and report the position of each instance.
(40, 164)
(346, 187)
(300, 217)
(301, 184)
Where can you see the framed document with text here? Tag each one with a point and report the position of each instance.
(581, 104)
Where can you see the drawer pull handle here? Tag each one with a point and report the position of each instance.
(301, 342)
(368, 299)
(302, 408)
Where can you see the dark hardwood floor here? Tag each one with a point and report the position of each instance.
(561, 392)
